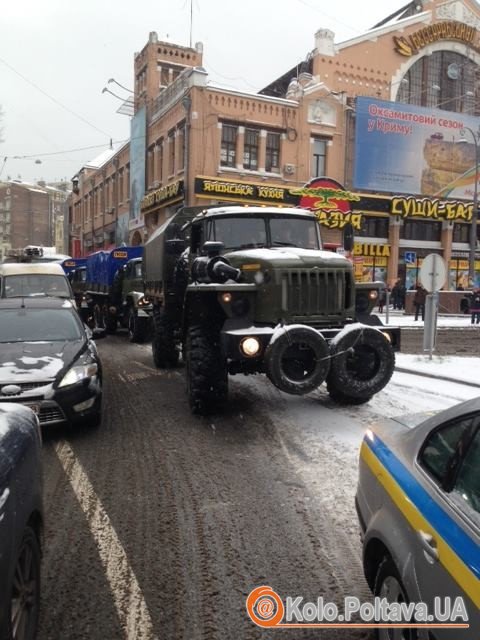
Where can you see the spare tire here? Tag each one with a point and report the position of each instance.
(297, 359)
(362, 363)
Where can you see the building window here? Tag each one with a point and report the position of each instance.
(461, 233)
(160, 161)
(272, 158)
(373, 227)
(164, 76)
(181, 148)
(229, 144)
(417, 230)
(250, 149)
(319, 158)
(171, 153)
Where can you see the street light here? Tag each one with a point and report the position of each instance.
(473, 228)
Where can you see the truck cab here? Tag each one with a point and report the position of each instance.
(251, 290)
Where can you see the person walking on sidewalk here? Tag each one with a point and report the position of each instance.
(475, 307)
(419, 301)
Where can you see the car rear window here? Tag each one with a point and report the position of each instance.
(34, 285)
(38, 325)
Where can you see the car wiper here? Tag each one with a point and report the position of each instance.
(285, 244)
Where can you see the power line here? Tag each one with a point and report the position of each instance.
(52, 98)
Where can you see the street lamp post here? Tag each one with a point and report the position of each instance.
(473, 227)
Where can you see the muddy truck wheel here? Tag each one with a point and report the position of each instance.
(164, 350)
(206, 370)
(362, 364)
(137, 327)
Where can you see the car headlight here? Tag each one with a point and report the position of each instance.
(78, 373)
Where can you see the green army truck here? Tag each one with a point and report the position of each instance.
(250, 290)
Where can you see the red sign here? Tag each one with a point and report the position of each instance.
(330, 201)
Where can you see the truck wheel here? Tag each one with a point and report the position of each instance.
(298, 360)
(206, 370)
(362, 364)
(110, 322)
(137, 327)
(164, 350)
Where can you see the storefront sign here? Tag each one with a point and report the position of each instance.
(164, 195)
(373, 250)
(324, 196)
(445, 30)
(330, 202)
(255, 193)
(431, 208)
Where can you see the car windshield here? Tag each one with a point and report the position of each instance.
(32, 284)
(249, 232)
(38, 325)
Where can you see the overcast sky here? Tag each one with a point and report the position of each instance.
(56, 56)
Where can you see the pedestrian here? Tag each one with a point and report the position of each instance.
(419, 301)
(402, 291)
(475, 307)
(395, 294)
(382, 299)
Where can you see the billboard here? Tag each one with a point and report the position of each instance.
(404, 148)
(137, 161)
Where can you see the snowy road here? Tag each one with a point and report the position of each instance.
(159, 524)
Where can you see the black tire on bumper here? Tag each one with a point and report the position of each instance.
(298, 360)
(206, 369)
(362, 364)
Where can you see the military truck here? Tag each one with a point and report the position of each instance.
(110, 291)
(250, 290)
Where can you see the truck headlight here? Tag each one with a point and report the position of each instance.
(78, 373)
(143, 302)
(250, 346)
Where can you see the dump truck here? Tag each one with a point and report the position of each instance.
(246, 290)
(110, 292)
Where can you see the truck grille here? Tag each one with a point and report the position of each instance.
(307, 292)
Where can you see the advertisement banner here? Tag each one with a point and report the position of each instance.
(404, 148)
(137, 161)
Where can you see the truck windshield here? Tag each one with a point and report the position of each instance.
(249, 232)
(238, 233)
(294, 232)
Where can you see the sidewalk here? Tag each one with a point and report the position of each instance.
(456, 369)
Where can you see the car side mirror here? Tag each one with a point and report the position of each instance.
(98, 333)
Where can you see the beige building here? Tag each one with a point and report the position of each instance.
(32, 214)
(202, 144)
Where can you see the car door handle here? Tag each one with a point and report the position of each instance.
(429, 545)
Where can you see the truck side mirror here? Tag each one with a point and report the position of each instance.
(348, 237)
(175, 246)
(195, 237)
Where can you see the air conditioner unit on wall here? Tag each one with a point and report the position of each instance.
(288, 169)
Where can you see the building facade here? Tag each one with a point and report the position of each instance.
(32, 214)
(197, 144)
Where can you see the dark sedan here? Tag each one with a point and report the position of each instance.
(49, 361)
(21, 518)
